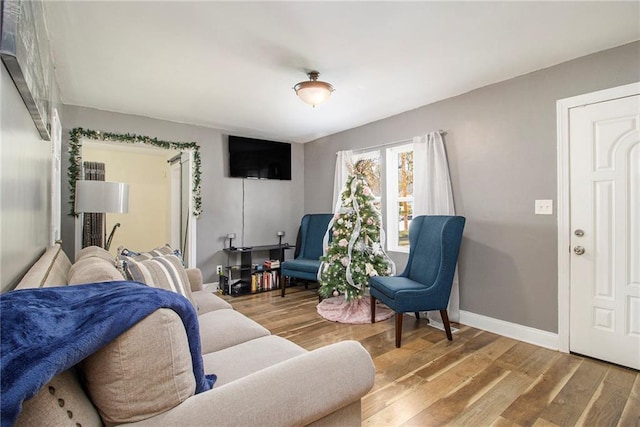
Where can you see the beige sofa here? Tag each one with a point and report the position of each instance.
(263, 380)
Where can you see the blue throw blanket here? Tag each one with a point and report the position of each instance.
(45, 331)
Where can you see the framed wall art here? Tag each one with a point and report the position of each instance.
(24, 50)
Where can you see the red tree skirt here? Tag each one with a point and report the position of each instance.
(358, 311)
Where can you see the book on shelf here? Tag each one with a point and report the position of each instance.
(272, 263)
(264, 281)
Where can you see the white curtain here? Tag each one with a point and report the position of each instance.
(343, 161)
(432, 183)
(432, 195)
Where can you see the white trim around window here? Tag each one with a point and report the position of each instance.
(393, 199)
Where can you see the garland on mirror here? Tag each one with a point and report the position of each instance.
(75, 159)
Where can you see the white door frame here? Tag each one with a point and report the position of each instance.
(56, 178)
(175, 203)
(190, 260)
(564, 220)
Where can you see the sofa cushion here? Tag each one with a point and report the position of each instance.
(92, 270)
(144, 372)
(225, 328)
(255, 354)
(207, 301)
(164, 272)
(62, 401)
(302, 264)
(95, 251)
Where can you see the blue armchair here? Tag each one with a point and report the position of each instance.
(425, 283)
(307, 261)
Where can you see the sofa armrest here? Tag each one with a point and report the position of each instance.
(195, 279)
(295, 392)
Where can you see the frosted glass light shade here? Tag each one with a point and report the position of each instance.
(102, 196)
(313, 92)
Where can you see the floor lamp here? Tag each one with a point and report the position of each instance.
(102, 197)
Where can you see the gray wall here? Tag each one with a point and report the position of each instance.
(25, 180)
(501, 144)
(269, 205)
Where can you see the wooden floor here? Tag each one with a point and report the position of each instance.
(478, 379)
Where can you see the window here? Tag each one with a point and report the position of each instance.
(390, 177)
(399, 196)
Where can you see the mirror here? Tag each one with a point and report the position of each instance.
(164, 199)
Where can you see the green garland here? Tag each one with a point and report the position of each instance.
(75, 159)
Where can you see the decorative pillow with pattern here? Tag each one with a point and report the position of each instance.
(166, 272)
(141, 256)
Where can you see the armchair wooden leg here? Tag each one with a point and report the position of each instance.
(447, 325)
(373, 309)
(399, 329)
(417, 313)
(283, 282)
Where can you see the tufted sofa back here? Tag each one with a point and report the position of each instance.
(62, 401)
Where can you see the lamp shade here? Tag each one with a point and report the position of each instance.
(313, 92)
(102, 196)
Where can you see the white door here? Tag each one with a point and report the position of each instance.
(604, 152)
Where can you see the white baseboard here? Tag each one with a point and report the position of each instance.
(511, 330)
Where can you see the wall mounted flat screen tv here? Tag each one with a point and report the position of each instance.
(258, 158)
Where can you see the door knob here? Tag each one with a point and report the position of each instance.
(579, 250)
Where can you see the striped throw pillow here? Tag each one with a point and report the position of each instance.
(141, 256)
(165, 272)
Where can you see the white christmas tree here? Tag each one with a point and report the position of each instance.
(356, 251)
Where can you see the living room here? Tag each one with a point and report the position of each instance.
(501, 140)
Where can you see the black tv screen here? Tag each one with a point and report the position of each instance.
(257, 158)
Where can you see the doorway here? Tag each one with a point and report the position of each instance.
(599, 225)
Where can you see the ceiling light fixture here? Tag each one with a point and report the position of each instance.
(313, 92)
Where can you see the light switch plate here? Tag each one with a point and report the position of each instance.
(544, 207)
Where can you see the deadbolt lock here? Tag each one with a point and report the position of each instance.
(579, 232)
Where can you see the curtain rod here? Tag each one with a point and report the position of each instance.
(359, 150)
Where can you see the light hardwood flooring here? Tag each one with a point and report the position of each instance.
(478, 379)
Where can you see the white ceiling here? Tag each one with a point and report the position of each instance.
(232, 65)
